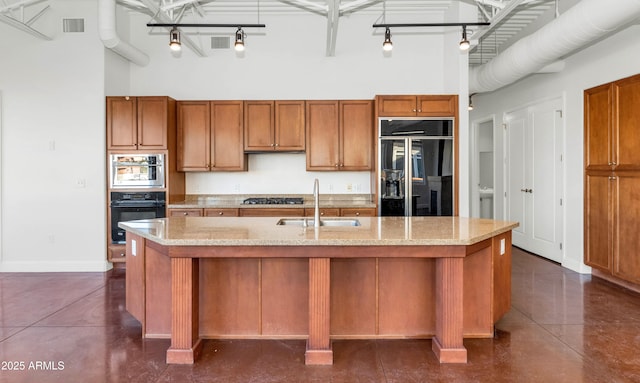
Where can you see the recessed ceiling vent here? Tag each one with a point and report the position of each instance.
(220, 42)
(72, 25)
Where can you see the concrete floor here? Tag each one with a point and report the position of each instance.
(563, 327)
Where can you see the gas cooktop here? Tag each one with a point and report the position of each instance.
(273, 201)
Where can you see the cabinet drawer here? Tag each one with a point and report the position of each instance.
(324, 212)
(358, 212)
(271, 212)
(220, 212)
(116, 253)
(185, 212)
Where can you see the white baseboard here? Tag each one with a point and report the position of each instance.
(44, 267)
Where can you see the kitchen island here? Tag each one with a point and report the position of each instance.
(193, 278)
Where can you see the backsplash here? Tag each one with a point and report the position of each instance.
(277, 173)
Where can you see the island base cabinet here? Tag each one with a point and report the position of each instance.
(232, 293)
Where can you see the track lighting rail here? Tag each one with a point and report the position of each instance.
(413, 25)
(190, 25)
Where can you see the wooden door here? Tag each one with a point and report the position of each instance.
(259, 120)
(356, 135)
(626, 263)
(193, 136)
(322, 135)
(227, 148)
(626, 134)
(597, 133)
(152, 122)
(437, 106)
(121, 123)
(396, 106)
(289, 126)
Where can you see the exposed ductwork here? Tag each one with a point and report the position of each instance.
(109, 37)
(580, 25)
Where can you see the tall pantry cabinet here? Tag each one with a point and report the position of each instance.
(612, 180)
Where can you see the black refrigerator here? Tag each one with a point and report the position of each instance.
(415, 166)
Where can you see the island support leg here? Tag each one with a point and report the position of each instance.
(185, 340)
(319, 344)
(447, 344)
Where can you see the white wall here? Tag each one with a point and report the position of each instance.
(612, 58)
(53, 112)
(52, 137)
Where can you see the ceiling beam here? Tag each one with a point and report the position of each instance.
(495, 21)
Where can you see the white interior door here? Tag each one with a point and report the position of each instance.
(535, 177)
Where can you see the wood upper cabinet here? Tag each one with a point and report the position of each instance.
(419, 106)
(210, 136)
(139, 123)
(612, 178)
(339, 135)
(274, 126)
(611, 116)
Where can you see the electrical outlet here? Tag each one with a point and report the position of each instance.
(502, 246)
(236, 188)
(349, 187)
(134, 248)
(81, 183)
(330, 188)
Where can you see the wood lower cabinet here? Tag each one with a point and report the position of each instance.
(274, 126)
(418, 106)
(139, 123)
(612, 179)
(342, 212)
(210, 136)
(340, 135)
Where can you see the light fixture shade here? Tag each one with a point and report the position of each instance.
(464, 43)
(239, 44)
(387, 45)
(174, 39)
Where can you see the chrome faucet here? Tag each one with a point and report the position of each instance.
(316, 196)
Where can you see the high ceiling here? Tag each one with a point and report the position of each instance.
(508, 18)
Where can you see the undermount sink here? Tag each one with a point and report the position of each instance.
(323, 222)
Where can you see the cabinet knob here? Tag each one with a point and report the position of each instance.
(419, 110)
(185, 213)
(341, 165)
(357, 214)
(321, 213)
(612, 178)
(220, 213)
(336, 165)
(277, 145)
(122, 254)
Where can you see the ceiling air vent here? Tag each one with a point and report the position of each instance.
(220, 42)
(72, 25)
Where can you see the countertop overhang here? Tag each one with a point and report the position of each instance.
(264, 231)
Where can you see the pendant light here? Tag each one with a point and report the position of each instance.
(174, 39)
(387, 45)
(464, 43)
(239, 44)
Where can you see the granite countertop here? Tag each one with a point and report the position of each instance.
(264, 231)
(235, 201)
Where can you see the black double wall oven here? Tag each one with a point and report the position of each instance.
(131, 206)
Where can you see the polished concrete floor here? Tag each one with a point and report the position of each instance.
(563, 327)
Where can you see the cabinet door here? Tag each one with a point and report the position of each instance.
(193, 136)
(227, 137)
(598, 234)
(152, 122)
(259, 123)
(356, 135)
(396, 106)
(121, 123)
(437, 106)
(322, 126)
(597, 127)
(289, 126)
(626, 263)
(627, 119)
